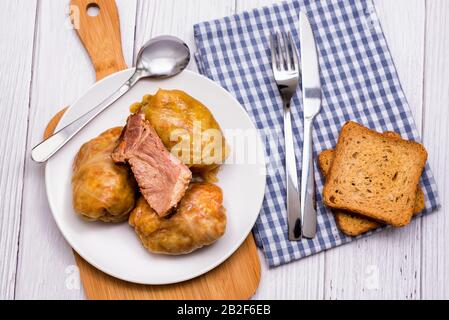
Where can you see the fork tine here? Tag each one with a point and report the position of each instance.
(294, 53)
(287, 49)
(282, 52)
(279, 52)
(274, 52)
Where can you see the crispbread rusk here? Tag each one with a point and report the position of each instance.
(350, 223)
(374, 175)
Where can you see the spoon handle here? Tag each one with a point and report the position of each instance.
(47, 148)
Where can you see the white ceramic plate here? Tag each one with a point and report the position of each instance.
(115, 248)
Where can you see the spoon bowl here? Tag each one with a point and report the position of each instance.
(163, 57)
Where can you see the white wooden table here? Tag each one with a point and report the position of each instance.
(44, 67)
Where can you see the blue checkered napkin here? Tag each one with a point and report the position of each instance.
(359, 83)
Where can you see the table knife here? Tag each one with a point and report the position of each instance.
(311, 98)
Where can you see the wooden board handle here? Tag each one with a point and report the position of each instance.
(101, 37)
(100, 34)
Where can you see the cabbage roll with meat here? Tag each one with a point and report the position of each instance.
(199, 220)
(101, 189)
(186, 127)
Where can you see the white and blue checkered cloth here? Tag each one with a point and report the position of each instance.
(359, 82)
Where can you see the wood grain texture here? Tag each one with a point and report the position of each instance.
(53, 123)
(46, 265)
(17, 20)
(435, 238)
(100, 35)
(242, 267)
(300, 280)
(387, 265)
(177, 17)
(62, 72)
(245, 5)
(236, 278)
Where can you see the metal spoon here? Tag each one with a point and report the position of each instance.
(161, 57)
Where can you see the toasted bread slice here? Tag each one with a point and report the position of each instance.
(354, 225)
(419, 201)
(350, 223)
(325, 161)
(374, 175)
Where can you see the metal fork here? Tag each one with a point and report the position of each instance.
(285, 66)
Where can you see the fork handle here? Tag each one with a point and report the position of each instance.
(308, 211)
(293, 204)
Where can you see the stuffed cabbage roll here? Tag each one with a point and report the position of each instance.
(199, 220)
(101, 189)
(186, 127)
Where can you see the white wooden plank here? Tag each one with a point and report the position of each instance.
(403, 23)
(245, 5)
(300, 280)
(435, 238)
(17, 19)
(387, 265)
(62, 72)
(303, 279)
(177, 17)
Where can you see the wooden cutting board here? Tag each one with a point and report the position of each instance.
(236, 278)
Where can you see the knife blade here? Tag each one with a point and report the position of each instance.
(311, 83)
(311, 97)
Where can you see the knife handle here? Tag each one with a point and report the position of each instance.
(308, 211)
(293, 204)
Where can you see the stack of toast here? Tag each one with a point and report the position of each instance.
(372, 179)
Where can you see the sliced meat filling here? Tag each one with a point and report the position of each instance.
(162, 177)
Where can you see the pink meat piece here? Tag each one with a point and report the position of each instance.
(162, 177)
